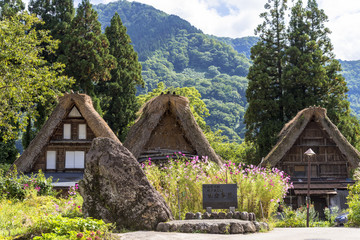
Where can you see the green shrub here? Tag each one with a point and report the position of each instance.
(4, 167)
(181, 180)
(48, 217)
(69, 228)
(331, 213)
(297, 218)
(353, 200)
(16, 185)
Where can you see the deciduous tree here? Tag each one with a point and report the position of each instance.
(56, 16)
(25, 78)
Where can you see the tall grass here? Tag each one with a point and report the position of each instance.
(180, 182)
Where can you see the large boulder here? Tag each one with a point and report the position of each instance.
(116, 189)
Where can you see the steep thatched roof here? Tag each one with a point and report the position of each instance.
(292, 130)
(153, 112)
(84, 104)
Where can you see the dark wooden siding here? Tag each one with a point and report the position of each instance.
(168, 134)
(328, 162)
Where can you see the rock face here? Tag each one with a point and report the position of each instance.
(116, 189)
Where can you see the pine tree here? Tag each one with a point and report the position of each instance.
(9, 8)
(309, 52)
(264, 116)
(298, 74)
(288, 77)
(121, 89)
(312, 73)
(86, 50)
(57, 16)
(334, 89)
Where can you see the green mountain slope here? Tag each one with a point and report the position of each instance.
(172, 51)
(351, 72)
(176, 53)
(149, 28)
(241, 45)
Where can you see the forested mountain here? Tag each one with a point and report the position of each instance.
(351, 72)
(241, 45)
(176, 53)
(172, 51)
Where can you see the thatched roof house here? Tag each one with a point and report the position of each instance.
(167, 125)
(323, 129)
(330, 168)
(65, 138)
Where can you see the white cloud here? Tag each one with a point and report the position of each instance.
(344, 20)
(242, 17)
(344, 17)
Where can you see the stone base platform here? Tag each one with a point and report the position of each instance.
(214, 226)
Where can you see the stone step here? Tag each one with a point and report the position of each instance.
(213, 226)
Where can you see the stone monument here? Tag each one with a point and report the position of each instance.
(116, 189)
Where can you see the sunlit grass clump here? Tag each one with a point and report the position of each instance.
(29, 209)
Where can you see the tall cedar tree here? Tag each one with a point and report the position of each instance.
(264, 116)
(57, 16)
(312, 72)
(86, 51)
(8, 8)
(334, 97)
(309, 76)
(120, 91)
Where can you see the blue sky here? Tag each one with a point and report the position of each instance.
(238, 18)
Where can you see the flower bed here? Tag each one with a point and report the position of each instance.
(180, 180)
